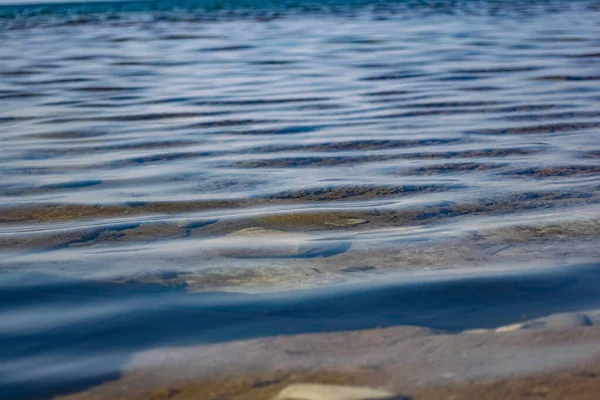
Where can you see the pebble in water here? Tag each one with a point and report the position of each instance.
(348, 222)
(303, 391)
(554, 321)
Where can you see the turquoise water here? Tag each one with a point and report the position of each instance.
(225, 167)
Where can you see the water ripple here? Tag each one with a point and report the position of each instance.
(305, 143)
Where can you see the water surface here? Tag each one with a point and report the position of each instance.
(206, 146)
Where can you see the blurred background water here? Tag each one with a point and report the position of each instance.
(270, 145)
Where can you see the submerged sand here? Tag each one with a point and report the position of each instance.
(558, 360)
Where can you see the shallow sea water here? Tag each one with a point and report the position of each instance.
(150, 150)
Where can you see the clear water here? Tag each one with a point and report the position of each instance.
(151, 148)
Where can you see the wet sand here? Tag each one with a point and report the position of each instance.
(410, 332)
(415, 363)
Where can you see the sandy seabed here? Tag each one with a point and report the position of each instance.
(416, 363)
